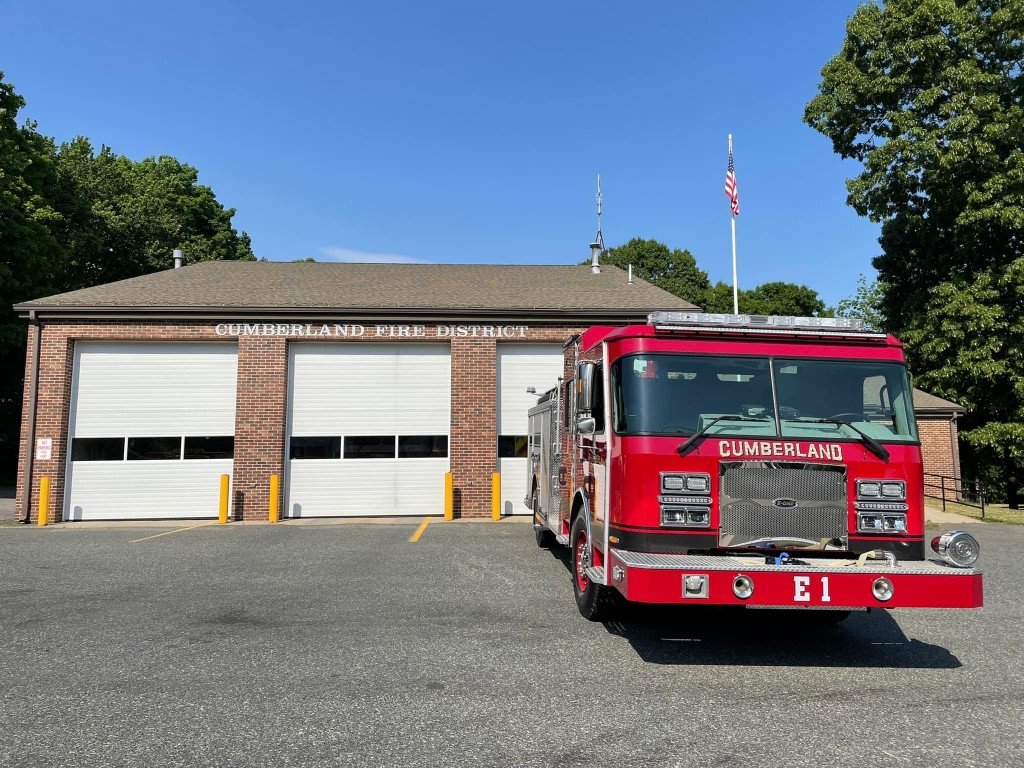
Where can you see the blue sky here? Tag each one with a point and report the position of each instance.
(470, 131)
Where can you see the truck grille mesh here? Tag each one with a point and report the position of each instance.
(748, 492)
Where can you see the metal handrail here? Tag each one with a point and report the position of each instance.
(969, 493)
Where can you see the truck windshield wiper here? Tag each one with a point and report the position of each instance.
(876, 447)
(700, 432)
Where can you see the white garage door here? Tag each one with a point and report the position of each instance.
(151, 430)
(368, 429)
(520, 366)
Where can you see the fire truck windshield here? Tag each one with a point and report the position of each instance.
(675, 394)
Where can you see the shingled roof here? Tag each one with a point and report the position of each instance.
(926, 402)
(279, 287)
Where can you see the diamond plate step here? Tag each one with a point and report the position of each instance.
(596, 574)
(753, 564)
(563, 539)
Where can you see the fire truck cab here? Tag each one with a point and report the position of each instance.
(741, 460)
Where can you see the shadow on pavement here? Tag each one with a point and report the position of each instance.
(736, 636)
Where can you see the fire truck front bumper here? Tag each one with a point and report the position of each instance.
(810, 583)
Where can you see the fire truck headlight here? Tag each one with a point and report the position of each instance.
(869, 522)
(894, 490)
(698, 483)
(868, 489)
(698, 517)
(743, 586)
(882, 589)
(672, 483)
(685, 516)
(958, 548)
(671, 515)
(895, 523)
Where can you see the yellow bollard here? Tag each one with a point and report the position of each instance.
(44, 500)
(449, 497)
(274, 493)
(225, 482)
(496, 496)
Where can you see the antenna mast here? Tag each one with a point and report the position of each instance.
(598, 245)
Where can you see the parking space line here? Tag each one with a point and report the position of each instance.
(419, 531)
(176, 530)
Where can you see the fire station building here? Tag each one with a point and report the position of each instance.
(359, 385)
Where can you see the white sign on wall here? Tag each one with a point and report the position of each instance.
(355, 330)
(44, 448)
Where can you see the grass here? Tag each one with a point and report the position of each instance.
(994, 513)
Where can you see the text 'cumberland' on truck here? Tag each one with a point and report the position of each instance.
(741, 460)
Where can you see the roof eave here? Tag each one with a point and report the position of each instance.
(121, 312)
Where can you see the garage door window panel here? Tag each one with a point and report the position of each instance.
(154, 448)
(220, 447)
(423, 446)
(370, 447)
(97, 449)
(315, 448)
(513, 446)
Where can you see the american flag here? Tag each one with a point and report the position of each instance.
(730, 186)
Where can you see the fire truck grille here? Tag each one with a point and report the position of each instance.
(781, 501)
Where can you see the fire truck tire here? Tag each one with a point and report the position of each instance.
(543, 535)
(595, 602)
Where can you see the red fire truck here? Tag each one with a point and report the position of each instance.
(741, 460)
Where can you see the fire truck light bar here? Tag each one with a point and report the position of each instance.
(769, 324)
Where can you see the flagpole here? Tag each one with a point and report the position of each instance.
(735, 282)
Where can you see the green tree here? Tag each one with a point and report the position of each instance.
(777, 298)
(670, 269)
(677, 272)
(969, 345)
(774, 298)
(28, 253)
(122, 218)
(71, 217)
(927, 95)
(864, 305)
(719, 298)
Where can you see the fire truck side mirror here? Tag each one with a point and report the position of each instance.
(585, 383)
(587, 426)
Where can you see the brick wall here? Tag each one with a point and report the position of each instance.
(937, 452)
(260, 421)
(260, 418)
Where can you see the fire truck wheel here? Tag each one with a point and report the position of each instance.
(596, 602)
(543, 535)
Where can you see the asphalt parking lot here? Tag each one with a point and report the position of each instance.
(301, 644)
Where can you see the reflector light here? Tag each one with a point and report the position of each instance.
(958, 548)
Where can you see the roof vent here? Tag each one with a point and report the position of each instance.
(179, 258)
